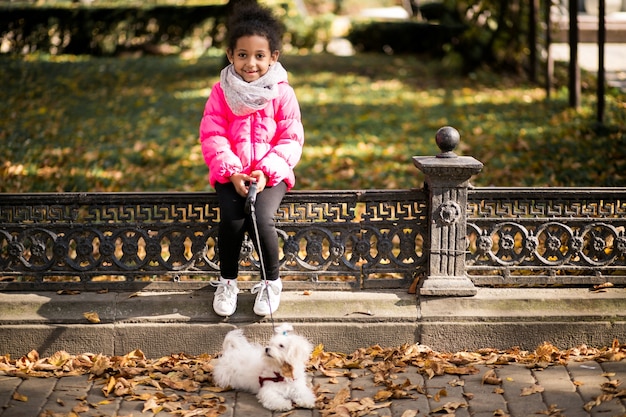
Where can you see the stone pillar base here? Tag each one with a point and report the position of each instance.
(448, 286)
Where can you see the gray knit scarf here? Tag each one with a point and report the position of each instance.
(245, 98)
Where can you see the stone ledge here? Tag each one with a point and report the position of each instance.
(163, 323)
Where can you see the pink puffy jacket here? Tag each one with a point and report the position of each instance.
(270, 139)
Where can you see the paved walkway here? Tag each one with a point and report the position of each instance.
(517, 391)
(614, 60)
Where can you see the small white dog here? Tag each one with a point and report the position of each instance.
(276, 373)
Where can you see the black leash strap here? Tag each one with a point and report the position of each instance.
(249, 208)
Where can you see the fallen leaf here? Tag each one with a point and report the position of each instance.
(439, 394)
(602, 286)
(332, 374)
(491, 378)
(68, 292)
(449, 407)
(92, 317)
(409, 413)
(152, 406)
(533, 389)
(19, 397)
(340, 397)
(552, 411)
(106, 390)
(80, 408)
(383, 395)
(456, 383)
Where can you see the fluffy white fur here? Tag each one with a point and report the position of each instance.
(276, 373)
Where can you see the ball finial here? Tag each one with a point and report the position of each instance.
(447, 139)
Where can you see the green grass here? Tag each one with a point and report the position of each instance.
(111, 124)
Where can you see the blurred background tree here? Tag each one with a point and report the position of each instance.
(469, 33)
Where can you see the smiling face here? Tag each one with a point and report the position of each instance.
(252, 57)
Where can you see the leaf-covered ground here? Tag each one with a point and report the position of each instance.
(190, 376)
(131, 124)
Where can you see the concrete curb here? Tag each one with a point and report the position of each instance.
(161, 323)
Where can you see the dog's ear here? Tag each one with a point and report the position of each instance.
(286, 369)
(299, 350)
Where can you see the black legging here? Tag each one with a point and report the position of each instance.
(235, 222)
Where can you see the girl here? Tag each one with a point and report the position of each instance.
(251, 131)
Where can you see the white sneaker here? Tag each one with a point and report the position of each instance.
(225, 298)
(267, 297)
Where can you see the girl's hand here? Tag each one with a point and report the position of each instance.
(260, 178)
(239, 181)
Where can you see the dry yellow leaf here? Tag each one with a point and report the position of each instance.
(439, 394)
(81, 408)
(533, 389)
(603, 286)
(491, 378)
(216, 389)
(135, 354)
(383, 395)
(367, 402)
(68, 292)
(332, 374)
(92, 317)
(449, 407)
(106, 390)
(589, 405)
(456, 382)
(340, 397)
(19, 397)
(151, 405)
(59, 358)
(409, 413)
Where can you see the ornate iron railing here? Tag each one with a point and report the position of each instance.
(546, 236)
(352, 239)
(336, 239)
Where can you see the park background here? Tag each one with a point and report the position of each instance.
(125, 117)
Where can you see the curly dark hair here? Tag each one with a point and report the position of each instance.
(252, 19)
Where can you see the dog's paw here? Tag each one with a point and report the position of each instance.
(309, 405)
(305, 400)
(277, 404)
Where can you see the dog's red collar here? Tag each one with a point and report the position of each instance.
(277, 378)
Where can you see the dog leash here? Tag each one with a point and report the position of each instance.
(249, 208)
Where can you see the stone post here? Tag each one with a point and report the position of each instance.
(447, 181)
